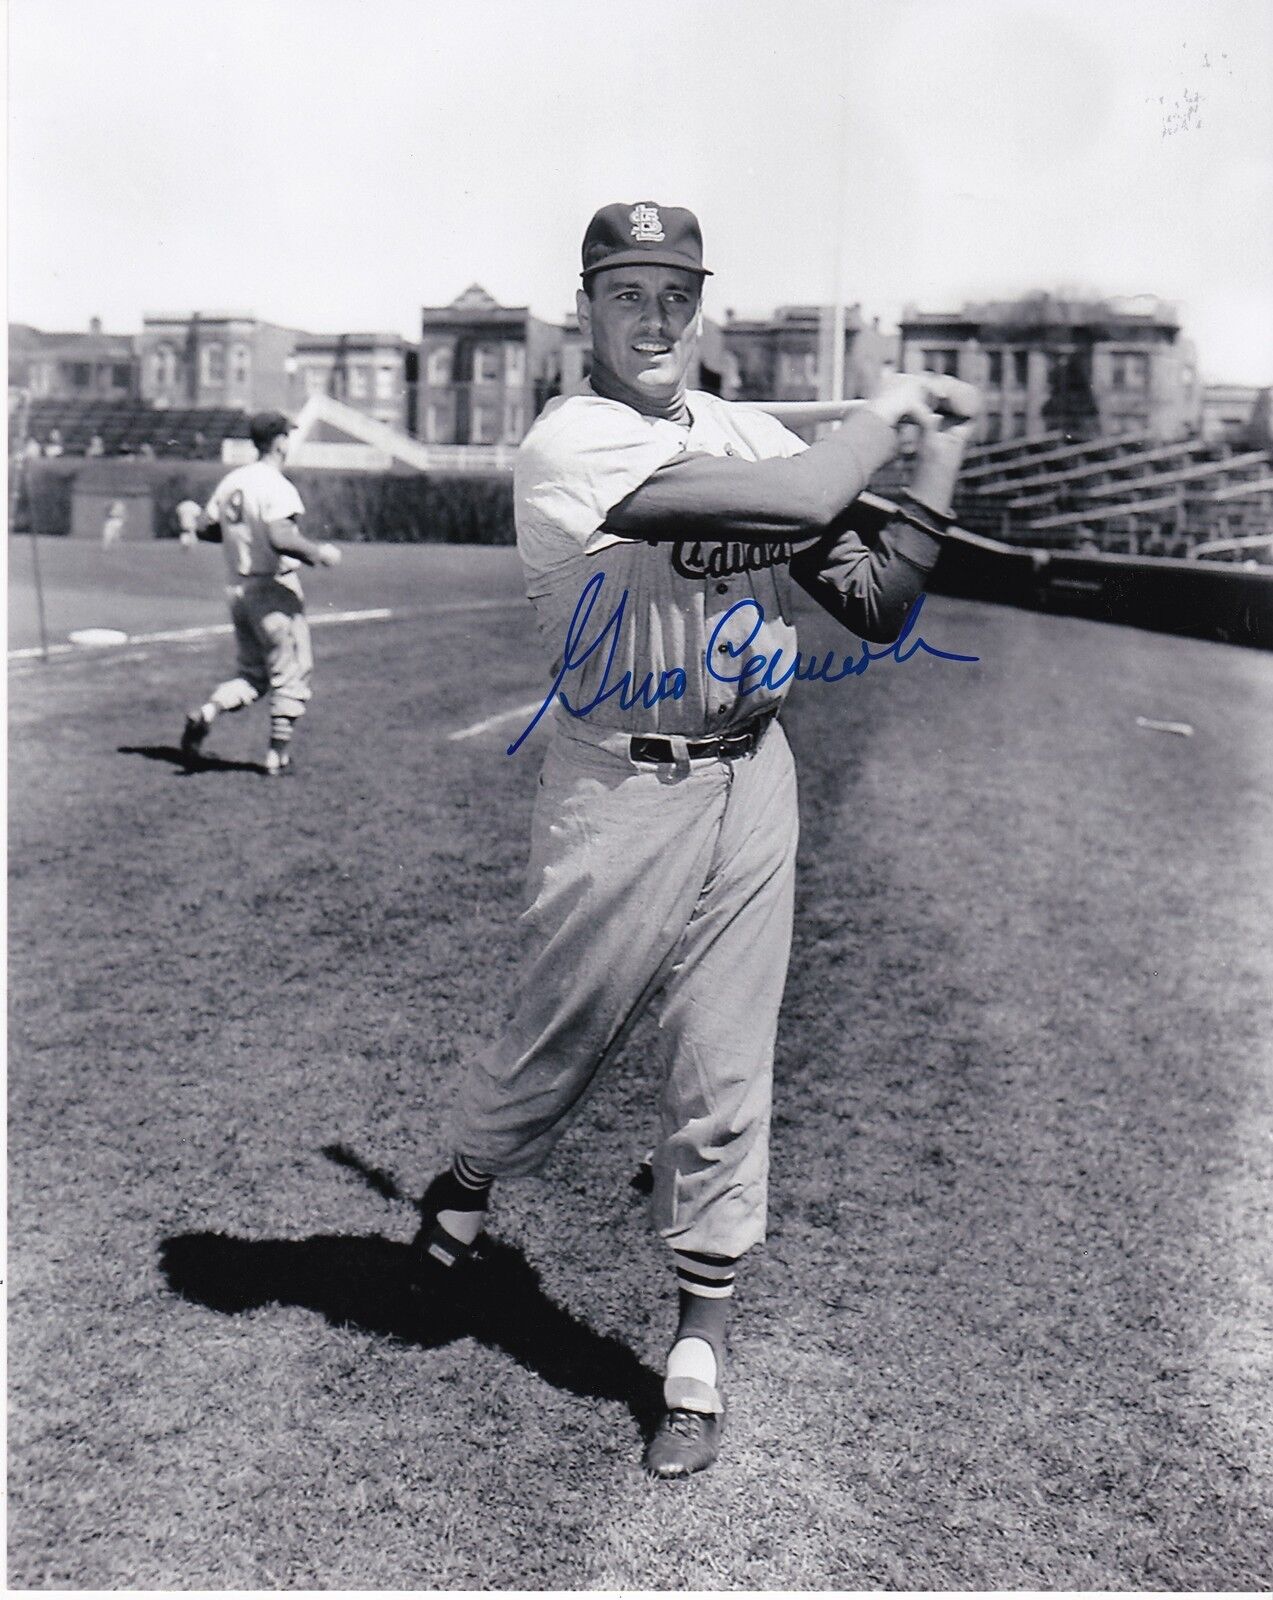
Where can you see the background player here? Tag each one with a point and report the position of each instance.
(253, 513)
(664, 834)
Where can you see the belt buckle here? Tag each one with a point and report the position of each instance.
(747, 738)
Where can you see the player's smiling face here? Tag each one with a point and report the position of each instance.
(644, 324)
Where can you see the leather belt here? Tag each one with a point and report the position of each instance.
(724, 746)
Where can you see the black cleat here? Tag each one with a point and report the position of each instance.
(432, 1242)
(684, 1443)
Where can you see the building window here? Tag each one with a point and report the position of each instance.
(800, 366)
(514, 422)
(992, 429)
(315, 379)
(357, 381)
(212, 364)
(481, 426)
(514, 362)
(165, 366)
(1129, 369)
(240, 361)
(1020, 368)
(945, 361)
(384, 382)
(486, 364)
(435, 425)
(80, 375)
(438, 367)
(121, 375)
(994, 369)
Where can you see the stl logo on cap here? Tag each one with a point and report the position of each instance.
(647, 225)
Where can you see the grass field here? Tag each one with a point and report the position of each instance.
(1013, 1325)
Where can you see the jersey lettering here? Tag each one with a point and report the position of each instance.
(693, 559)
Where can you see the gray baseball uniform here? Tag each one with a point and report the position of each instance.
(654, 871)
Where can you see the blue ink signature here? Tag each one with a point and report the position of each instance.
(765, 672)
(770, 674)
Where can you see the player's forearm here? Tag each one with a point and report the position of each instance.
(288, 540)
(868, 589)
(721, 497)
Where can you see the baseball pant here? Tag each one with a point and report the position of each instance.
(673, 882)
(272, 643)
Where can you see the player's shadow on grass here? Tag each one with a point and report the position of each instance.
(382, 1288)
(203, 763)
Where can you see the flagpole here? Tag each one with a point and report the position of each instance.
(19, 481)
(832, 385)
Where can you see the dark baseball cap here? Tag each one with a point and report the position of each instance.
(266, 426)
(644, 234)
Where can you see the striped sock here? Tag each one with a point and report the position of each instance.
(280, 731)
(711, 1277)
(474, 1184)
(697, 1359)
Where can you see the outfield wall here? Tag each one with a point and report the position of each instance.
(1207, 599)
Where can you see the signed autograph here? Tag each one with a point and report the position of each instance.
(758, 671)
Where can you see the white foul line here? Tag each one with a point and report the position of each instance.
(316, 619)
(493, 722)
(180, 635)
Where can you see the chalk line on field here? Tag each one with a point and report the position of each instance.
(487, 723)
(211, 629)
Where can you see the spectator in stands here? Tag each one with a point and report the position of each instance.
(96, 446)
(147, 450)
(54, 446)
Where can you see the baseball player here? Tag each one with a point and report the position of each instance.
(253, 513)
(663, 842)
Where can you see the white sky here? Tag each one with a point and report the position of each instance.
(336, 164)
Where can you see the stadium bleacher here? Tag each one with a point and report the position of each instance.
(979, 471)
(128, 427)
(1008, 450)
(1124, 494)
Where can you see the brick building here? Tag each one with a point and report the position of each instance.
(1046, 364)
(1236, 413)
(72, 366)
(788, 356)
(216, 359)
(484, 371)
(373, 372)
